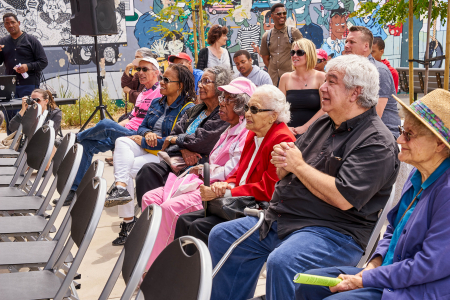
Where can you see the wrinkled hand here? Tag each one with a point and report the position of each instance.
(348, 283)
(207, 193)
(22, 69)
(292, 130)
(128, 68)
(220, 188)
(167, 142)
(126, 90)
(196, 170)
(137, 139)
(300, 130)
(286, 156)
(152, 139)
(190, 158)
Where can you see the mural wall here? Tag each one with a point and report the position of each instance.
(325, 22)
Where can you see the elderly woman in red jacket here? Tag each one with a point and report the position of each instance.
(266, 114)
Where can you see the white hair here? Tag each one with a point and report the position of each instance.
(358, 71)
(274, 99)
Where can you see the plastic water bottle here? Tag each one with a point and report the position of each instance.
(24, 74)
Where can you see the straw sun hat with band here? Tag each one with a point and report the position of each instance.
(433, 110)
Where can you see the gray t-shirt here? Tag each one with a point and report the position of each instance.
(258, 76)
(214, 61)
(158, 125)
(387, 88)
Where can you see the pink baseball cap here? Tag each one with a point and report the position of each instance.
(238, 86)
(321, 53)
(181, 55)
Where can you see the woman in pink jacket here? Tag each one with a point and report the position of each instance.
(182, 194)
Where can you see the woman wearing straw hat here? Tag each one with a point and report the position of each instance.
(411, 261)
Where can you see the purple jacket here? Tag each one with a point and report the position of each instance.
(421, 268)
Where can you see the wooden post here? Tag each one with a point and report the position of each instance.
(427, 48)
(202, 30)
(447, 53)
(411, 50)
(194, 29)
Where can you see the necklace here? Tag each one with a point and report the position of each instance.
(306, 84)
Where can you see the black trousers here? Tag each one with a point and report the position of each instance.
(196, 225)
(149, 177)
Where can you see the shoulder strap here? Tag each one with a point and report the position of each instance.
(289, 32)
(269, 32)
(176, 119)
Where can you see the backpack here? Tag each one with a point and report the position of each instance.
(289, 32)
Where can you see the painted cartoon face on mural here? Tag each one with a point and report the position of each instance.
(338, 25)
(301, 10)
(330, 4)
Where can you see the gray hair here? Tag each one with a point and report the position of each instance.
(146, 52)
(222, 76)
(358, 71)
(274, 99)
(241, 100)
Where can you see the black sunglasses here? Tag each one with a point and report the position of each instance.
(167, 80)
(254, 110)
(144, 69)
(320, 60)
(298, 52)
(281, 13)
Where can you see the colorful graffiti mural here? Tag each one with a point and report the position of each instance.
(325, 22)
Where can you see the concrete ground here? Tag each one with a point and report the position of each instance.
(101, 256)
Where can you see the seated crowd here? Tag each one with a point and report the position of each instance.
(320, 154)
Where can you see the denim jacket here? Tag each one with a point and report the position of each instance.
(155, 111)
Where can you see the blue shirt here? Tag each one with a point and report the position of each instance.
(407, 197)
(197, 76)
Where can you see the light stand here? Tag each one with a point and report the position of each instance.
(101, 108)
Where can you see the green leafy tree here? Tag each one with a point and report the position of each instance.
(396, 11)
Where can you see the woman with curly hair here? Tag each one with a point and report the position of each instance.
(214, 54)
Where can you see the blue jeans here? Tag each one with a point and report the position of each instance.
(314, 292)
(21, 91)
(100, 138)
(304, 249)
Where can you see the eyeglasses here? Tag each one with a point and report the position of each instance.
(205, 81)
(227, 98)
(144, 69)
(281, 13)
(406, 134)
(320, 60)
(166, 80)
(298, 52)
(37, 100)
(254, 110)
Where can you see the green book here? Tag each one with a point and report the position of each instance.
(316, 280)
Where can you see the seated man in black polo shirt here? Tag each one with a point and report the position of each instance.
(333, 182)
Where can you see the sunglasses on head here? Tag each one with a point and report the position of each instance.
(281, 13)
(298, 52)
(144, 69)
(166, 80)
(254, 110)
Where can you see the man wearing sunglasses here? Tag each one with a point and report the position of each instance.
(275, 52)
